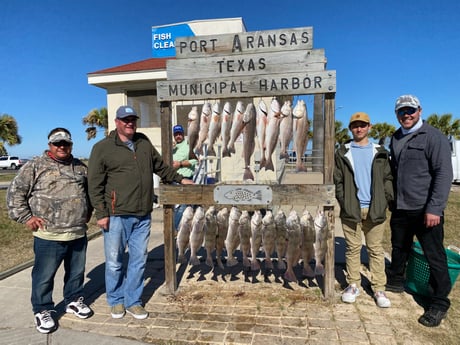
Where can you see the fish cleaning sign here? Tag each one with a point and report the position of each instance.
(243, 195)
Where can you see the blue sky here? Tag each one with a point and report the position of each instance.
(380, 50)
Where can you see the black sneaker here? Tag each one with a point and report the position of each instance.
(432, 317)
(79, 308)
(44, 322)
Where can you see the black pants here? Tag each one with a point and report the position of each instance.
(404, 225)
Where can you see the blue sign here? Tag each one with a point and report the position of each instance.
(163, 39)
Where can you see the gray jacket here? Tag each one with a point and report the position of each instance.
(423, 173)
(53, 191)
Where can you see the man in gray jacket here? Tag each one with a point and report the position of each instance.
(49, 196)
(422, 170)
(363, 180)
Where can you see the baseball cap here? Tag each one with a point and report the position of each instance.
(178, 129)
(360, 116)
(125, 111)
(60, 136)
(407, 101)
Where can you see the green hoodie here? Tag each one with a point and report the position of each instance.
(120, 181)
(346, 190)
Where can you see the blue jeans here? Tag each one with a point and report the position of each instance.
(124, 285)
(48, 257)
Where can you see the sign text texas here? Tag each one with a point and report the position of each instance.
(242, 65)
(245, 43)
(250, 86)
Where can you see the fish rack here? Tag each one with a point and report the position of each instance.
(303, 74)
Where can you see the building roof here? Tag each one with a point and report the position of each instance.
(143, 65)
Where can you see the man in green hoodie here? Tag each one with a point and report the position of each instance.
(363, 181)
(120, 178)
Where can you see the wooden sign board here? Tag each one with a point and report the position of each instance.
(248, 86)
(245, 43)
(250, 64)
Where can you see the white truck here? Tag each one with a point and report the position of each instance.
(455, 151)
(10, 162)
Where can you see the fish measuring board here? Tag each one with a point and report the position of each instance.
(243, 195)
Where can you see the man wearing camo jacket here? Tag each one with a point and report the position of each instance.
(49, 196)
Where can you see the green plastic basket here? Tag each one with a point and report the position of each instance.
(418, 270)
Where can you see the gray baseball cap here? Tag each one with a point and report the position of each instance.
(407, 101)
(125, 111)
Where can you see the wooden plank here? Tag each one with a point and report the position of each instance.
(329, 264)
(329, 137)
(168, 212)
(250, 86)
(245, 43)
(250, 64)
(283, 194)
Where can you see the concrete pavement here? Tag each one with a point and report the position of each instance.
(214, 306)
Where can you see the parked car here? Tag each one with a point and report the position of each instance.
(11, 162)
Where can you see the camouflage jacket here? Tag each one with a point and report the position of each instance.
(53, 191)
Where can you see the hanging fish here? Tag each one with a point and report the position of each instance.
(261, 125)
(286, 123)
(193, 128)
(237, 126)
(205, 119)
(301, 127)
(214, 127)
(226, 127)
(272, 133)
(249, 134)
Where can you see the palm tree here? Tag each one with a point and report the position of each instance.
(8, 132)
(96, 118)
(341, 134)
(445, 124)
(381, 131)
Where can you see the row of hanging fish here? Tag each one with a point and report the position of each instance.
(266, 127)
(293, 238)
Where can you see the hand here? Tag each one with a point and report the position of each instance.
(176, 164)
(186, 181)
(431, 220)
(104, 223)
(35, 223)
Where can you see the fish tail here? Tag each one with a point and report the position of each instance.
(226, 153)
(258, 195)
(248, 175)
(269, 165)
(211, 151)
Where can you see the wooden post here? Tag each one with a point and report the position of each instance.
(329, 143)
(168, 210)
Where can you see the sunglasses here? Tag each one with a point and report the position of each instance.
(129, 119)
(61, 143)
(408, 111)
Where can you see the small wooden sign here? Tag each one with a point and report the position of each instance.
(244, 43)
(249, 86)
(243, 195)
(250, 64)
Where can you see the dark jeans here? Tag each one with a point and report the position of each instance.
(404, 225)
(48, 257)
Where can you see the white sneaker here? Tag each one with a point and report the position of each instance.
(44, 322)
(382, 300)
(350, 293)
(79, 308)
